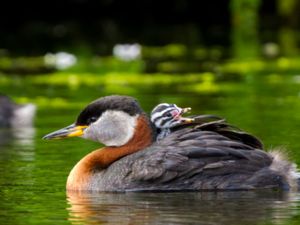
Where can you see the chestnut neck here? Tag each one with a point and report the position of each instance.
(141, 139)
(100, 159)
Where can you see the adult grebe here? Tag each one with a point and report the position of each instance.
(211, 156)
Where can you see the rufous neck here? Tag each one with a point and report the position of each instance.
(143, 137)
(100, 159)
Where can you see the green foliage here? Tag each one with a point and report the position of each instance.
(286, 7)
(244, 15)
(101, 65)
(282, 64)
(27, 65)
(171, 51)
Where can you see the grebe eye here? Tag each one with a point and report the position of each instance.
(91, 120)
(168, 114)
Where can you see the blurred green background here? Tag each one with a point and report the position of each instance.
(149, 36)
(238, 59)
(63, 54)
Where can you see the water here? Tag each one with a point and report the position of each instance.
(33, 171)
(184, 208)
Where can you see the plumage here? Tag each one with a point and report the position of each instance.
(199, 156)
(194, 162)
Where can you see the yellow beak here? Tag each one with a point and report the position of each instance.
(69, 131)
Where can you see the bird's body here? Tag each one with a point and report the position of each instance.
(209, 156)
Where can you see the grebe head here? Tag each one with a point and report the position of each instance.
(167, 115)
(110, 120)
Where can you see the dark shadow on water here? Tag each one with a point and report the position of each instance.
(224, 208)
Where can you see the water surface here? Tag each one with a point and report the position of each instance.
(33, 171)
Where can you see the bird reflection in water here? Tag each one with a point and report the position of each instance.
(250, 207)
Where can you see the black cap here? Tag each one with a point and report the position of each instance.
(114, 102)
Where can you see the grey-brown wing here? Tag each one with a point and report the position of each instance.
(191, 152)
(221, 127)
(233, 133)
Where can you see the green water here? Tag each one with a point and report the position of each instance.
(33, 171)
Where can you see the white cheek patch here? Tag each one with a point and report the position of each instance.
(113, 128)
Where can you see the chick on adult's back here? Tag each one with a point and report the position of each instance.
(211, 156)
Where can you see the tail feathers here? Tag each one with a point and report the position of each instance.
(285, 168)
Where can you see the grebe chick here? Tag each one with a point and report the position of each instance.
(211, 156)
(166, 116)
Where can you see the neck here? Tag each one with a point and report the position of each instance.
(101, 159)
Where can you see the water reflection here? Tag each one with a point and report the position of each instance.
(17, 152)
(182, 208)
(20, 137)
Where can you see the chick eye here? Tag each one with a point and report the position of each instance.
(168, 114)
(91, 120)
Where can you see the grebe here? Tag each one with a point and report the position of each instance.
(15, 115)
(166, 117)
(211, 156)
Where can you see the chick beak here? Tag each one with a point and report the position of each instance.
(69, 131)
(185, 110)
(185, 119)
